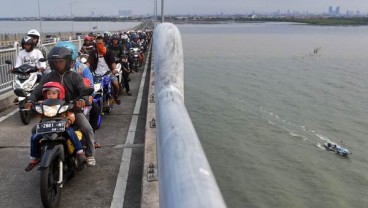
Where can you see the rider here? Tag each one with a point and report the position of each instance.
(30, 55)
(54, 90)
(101, 61)
(126, 72)
(36, 38)
(116, 48)
(85, 72)
(60, 60)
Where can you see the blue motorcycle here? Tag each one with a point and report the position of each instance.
(103, 92)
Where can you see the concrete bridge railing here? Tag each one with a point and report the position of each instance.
(185, 177)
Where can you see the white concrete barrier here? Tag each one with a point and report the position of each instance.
(185, 177)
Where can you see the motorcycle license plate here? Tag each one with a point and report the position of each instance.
(50, 127)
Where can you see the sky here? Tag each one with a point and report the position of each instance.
(29, 8)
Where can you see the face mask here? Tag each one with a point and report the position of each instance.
(101, 49)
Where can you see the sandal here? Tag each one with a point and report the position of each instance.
(90, 162)
(97, 145)
(31, 165)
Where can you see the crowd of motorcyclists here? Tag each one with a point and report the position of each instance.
(71, 70)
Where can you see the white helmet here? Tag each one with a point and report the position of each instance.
(33, 32)
(124, 36)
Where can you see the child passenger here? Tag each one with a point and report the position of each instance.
(54, 90)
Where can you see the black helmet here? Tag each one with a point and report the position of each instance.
(60, 53)
(115, 36)
(28, 40)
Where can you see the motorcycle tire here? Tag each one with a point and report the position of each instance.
(49, 188)
(135, 67)
(25, 116)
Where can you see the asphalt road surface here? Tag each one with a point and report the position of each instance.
(91, 187)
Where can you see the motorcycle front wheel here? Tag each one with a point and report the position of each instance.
(49, 188)
(25, 115)
(135, 66)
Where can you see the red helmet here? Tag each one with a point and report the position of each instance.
(54, 86)
(87, 37)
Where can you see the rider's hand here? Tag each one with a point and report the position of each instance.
(27, 105)
(80, 103)
(68, 123)
(11, 70)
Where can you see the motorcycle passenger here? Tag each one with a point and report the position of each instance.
(60, 60)
(37, 42)
(124, 41)
(88, 45)
(30, 55)
(54, 90)
(85, 73)
(101, 61)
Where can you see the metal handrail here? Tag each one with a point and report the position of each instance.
(6, 79)
(185, 177)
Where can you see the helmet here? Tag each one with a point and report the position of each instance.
(115, 36)
(54, 86)
(69, 45)
(28, 40)
(34, 33)
(89, 38)
(124, 36)
(60, 53)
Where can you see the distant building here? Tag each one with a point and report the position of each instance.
(125, 13)
(332, 12)
(337, 12)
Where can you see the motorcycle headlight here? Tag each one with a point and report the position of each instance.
(38, 109)
(50, 111)
(97, 87)
(28, 86)
(63, 109)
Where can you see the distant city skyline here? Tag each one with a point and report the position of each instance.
(29, 8)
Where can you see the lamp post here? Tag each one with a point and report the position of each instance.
(39, 16)
(162, 11)
(155, 13)
(90, 17)
(71, 14)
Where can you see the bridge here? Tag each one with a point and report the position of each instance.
(150, 157)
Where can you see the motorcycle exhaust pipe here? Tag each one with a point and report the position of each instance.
(60, 181)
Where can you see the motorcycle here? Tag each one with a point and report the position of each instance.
(134, 52)
(58, 162)
(23, 84)
(103, 94)
(119, 75)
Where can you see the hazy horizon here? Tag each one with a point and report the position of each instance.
(27, 8)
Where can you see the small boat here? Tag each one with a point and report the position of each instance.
(331, 146)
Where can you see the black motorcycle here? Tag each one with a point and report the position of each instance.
(58, 162)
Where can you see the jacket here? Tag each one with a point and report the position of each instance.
(72, 82)
(93, 59)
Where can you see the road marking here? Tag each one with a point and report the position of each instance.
(122, 180)
(2, 118)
